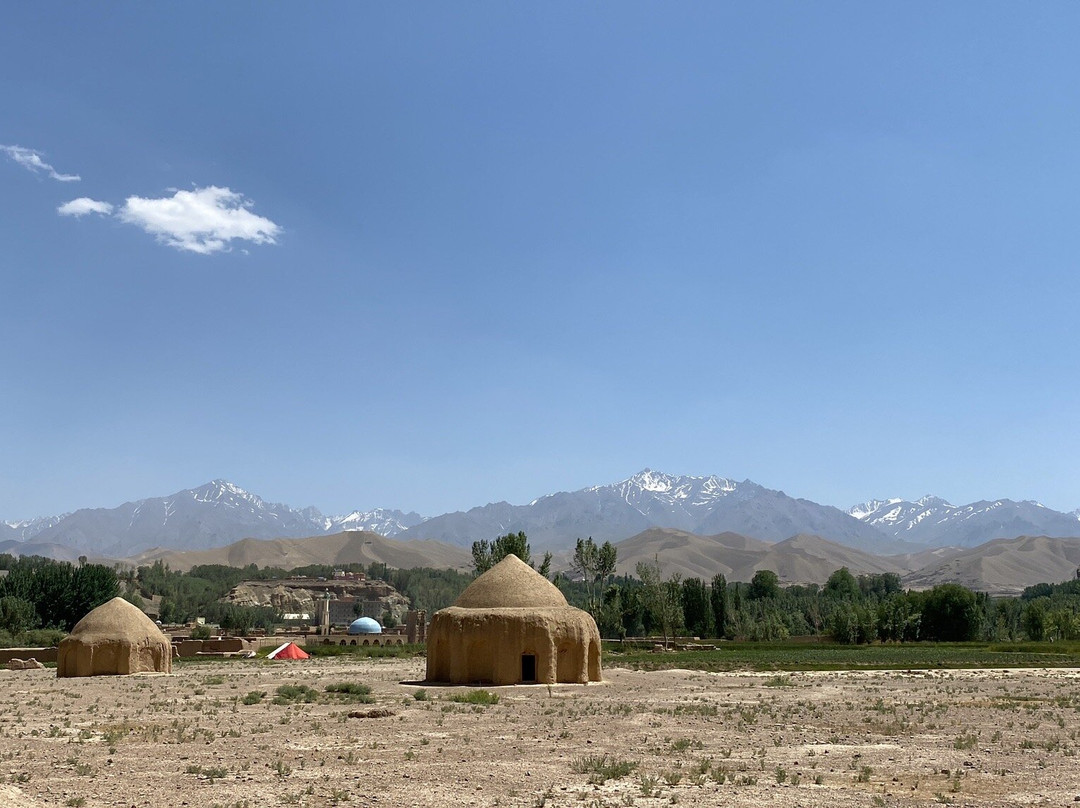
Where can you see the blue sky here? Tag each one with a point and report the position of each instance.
(429, 256)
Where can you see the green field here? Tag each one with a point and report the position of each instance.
(825, 656)
(801, 654)
(375, 651)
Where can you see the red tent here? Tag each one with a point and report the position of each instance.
(289, 650)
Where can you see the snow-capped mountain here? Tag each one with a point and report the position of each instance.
(382, 521)
(28, 528)
(933, 521)
(652, 492)
(211, 515)
(701, 505)
(219, 513)
(892, 515)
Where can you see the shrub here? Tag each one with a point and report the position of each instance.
(351, 691)
(602, 768)
(483, 697)
(288, 694)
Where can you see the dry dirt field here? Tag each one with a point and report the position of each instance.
(688, 738)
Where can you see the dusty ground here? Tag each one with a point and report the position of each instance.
(821, 739)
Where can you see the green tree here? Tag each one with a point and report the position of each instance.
(718, 600)
(662, 598)
(842, 585)
(487, 554)
(764, 585)
(133, 597)
(634, 611)
(880, 585)
(1036, 619)
(595, 564)
(1064, 623)
(897, 619)
(17, 615)
(1007, 618)
(610, 619)
(696, 607)
(950, 613)
(61, 593)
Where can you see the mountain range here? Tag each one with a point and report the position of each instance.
(220, 513)
(934, 522)
(1001, 567)
(212, 515)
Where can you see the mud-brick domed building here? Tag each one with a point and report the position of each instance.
(115, 638)
(512, 625)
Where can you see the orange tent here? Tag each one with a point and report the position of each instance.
(289, 650)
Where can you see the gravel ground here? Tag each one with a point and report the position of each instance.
(1002, 737)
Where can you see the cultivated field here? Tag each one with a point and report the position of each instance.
(204, 737)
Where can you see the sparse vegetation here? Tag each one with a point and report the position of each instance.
(480, 697)
(351, 691)
(289, 694)
(818, 655)
(601, 768)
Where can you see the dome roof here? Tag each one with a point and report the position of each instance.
(511, 584)
(116, 619)
(365, 625)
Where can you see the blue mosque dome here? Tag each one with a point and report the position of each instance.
(365, 625)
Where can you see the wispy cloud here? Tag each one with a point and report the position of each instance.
(204, 220)
(31, 160)
(84, 205)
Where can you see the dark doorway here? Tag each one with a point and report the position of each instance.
(528, 667)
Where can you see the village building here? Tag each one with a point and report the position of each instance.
(512, 625)
(364, 625)
(115, 638)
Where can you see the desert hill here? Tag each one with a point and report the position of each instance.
(341, 548)
(800, 559)
(1004, 566)
(806, 559)
(688, 554)
(45, 549)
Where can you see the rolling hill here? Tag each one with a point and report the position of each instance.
(1004, 566)
(341, 548)
(800, 559)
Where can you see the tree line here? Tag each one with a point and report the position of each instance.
(849, 609)
(39, 593)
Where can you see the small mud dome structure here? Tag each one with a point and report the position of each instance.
(512, 625)
(115, 638)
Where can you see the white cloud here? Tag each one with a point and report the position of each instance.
(204, 220)
(31, 160)
(83, 205)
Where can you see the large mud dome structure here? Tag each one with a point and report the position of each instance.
(512, 626)
(115, 638)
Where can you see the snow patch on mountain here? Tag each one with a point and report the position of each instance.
(870, 506)
(26, 529)
(934, 521)
(649, 492)
(385, 522)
